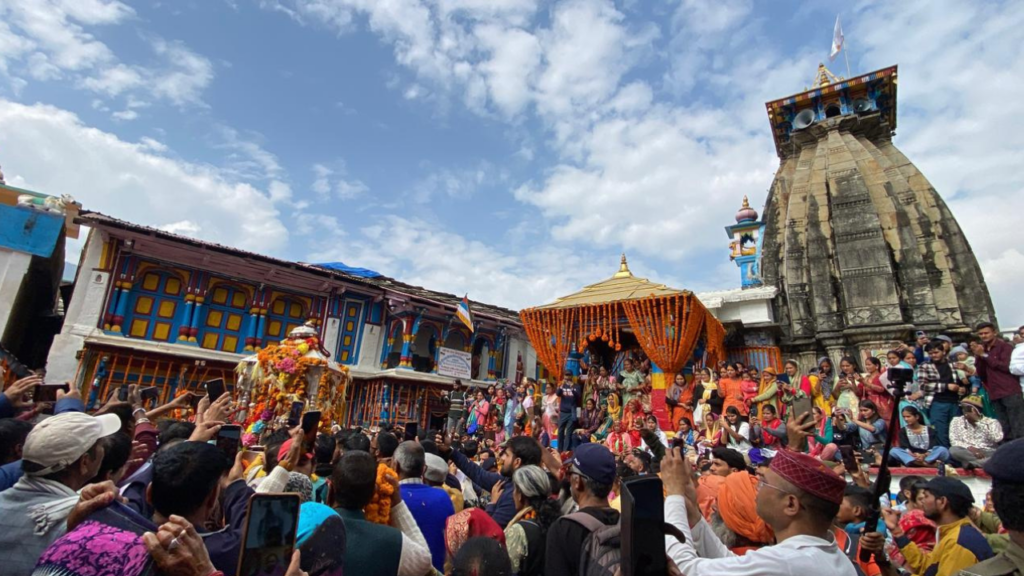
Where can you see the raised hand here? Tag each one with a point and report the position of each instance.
(16, 393)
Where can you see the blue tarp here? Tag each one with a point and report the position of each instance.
(342, 267)
(30, 230)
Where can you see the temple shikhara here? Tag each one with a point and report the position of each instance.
(860, 246)
(854, 249)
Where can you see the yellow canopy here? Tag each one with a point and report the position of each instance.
(621, 286)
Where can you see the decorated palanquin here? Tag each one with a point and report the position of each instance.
(621, 317)
(295, 370)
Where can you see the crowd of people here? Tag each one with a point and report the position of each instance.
(750, 485)
(963, 400)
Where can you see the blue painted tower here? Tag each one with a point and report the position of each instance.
(746, 244)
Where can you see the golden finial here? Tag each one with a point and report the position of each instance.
(623, 269)
(825, 76)
(746, 203)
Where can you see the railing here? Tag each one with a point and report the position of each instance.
(756, 356)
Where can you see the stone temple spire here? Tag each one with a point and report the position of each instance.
(859, 243)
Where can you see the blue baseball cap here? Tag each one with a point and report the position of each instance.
(595, 461)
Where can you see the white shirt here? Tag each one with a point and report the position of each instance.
(741, 446)
(703, 554)
(1017, 363)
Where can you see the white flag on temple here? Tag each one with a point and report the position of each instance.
(837, 40)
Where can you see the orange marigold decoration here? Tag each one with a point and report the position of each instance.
(278, 377)
(378, 510)
(667, 324)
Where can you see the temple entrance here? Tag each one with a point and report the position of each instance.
(600, 353)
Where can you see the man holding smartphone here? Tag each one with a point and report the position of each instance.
(798, 497)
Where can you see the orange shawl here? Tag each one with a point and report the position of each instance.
(737, 506)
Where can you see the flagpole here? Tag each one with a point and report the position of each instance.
(846, 56)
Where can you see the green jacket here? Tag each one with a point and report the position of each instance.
(371, 549)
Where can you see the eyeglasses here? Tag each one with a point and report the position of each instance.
(761, 482)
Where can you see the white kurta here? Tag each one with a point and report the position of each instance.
(703, 554)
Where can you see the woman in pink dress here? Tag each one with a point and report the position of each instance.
(478, 412)
(549, 418)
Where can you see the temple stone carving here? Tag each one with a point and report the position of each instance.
(861, 247)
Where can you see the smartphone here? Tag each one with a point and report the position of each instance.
(122, 393)
(310, 424)
(642, 524)
(194, 400)
(229, 440)
(269, 539)
(942, 468)
(295, 416)
(215, 389)
(48, 392)
(801, 406)
(412, 430)
(150, 393)
(849, 458)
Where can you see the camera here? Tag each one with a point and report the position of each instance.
(900, 377)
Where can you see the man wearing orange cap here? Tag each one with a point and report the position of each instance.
(797, 498)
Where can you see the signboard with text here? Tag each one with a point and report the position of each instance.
(454, 363)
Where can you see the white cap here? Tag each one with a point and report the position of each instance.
(437, 468)
(59, 441)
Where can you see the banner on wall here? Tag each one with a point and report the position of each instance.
(454, 363)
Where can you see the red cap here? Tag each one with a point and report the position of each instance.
(810, 475)
(286, 447)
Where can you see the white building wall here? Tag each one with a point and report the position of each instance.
(83, 314)
(13, 267)
(332, 332)
(371, 347)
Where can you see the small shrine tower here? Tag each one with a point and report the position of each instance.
(746, 244)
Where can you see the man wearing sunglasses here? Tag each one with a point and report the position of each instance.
(973, 437)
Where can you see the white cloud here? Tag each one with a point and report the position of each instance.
(125, 115)
(40, 67)
(183, 227)
(514, 58)
(52, 39)
(248, 159)
(114, 80)
(322, 184)
(130, 181)
(56, 28)
(153, 145)
(459, 183)
(187, 76)
(418, 253)
(279, 191)
(343, 188)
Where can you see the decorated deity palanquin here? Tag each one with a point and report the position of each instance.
(861, 247)
(158, 309)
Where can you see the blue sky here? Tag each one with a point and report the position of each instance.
(506, 148)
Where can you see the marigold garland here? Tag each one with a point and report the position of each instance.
(279, 378)
(378, 510)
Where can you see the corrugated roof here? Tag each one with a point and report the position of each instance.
(621, 286)
(91, 218)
